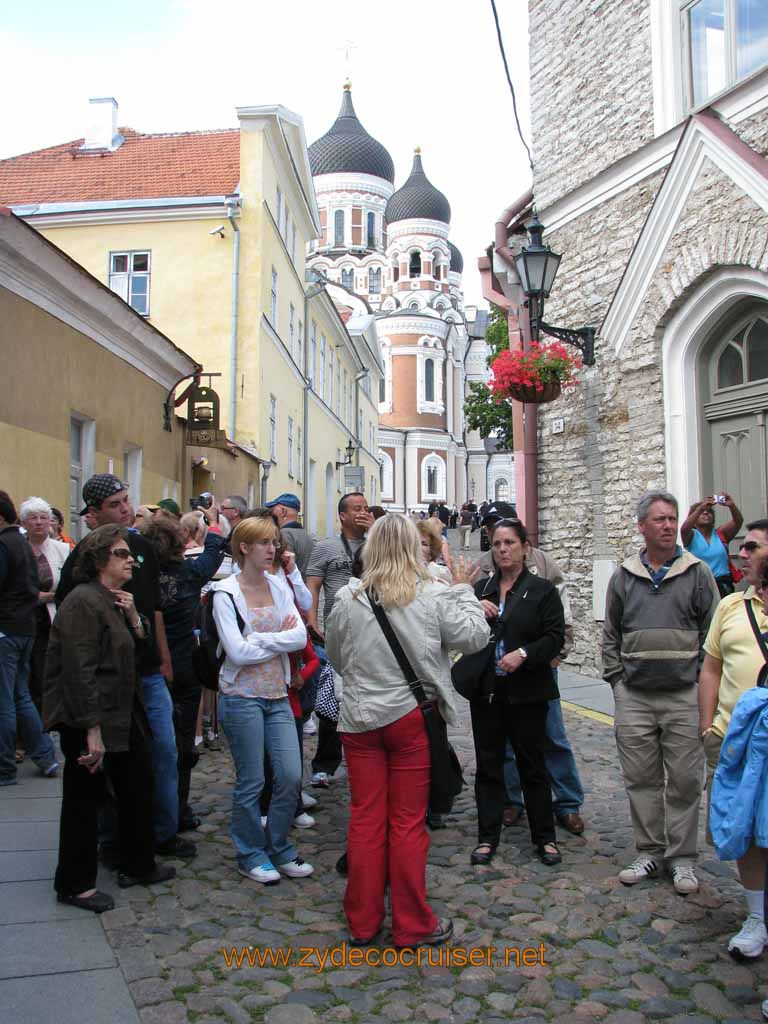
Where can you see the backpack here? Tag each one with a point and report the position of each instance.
(206, 660)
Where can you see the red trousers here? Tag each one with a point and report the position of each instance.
(389, 784)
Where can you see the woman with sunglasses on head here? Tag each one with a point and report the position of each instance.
(92, 698)
(509, 689)
(259, 626)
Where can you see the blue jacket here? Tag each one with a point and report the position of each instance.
(739, 806)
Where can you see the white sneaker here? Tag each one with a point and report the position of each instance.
(263, 821)
(297, 868)
(264, 873)
(640, 868)
(320, 780)
(684, 879)
(304, 821)
(308, 801)
(750, 942)
(309, 728)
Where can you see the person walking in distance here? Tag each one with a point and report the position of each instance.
(106, 501)
(330, 569)
(659, 606)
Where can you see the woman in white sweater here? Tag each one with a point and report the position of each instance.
(259, 626)
(382, 727)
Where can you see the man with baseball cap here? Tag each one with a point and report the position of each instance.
(286, 509)
(106, 501)
(561, 764)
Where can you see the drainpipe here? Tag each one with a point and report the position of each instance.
(232, 204)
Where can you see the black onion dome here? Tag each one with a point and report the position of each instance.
(418, 198)
(457, 260)
(347, 147)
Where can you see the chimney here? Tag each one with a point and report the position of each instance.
(102, 126)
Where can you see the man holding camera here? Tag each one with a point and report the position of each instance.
(700, 537)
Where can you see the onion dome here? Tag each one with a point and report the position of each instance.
(418, 198)
(457, 260)
(347, 147)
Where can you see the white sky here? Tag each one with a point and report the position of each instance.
(424, 72)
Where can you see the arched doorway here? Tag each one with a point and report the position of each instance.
(330, 500)
(732, 375)
(501, 489)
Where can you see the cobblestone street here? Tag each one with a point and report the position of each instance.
(619, 955)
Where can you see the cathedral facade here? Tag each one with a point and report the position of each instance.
(387, 251)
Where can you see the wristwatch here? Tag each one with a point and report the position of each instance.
(522, 652)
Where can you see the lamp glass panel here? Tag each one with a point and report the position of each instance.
(522, 273)
(536, 266)
(550, 271)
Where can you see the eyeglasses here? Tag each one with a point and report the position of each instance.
(749, 545)
(123, 553)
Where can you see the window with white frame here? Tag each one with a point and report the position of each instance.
(279, 207)
(429, 388)
(273, 300)
(371, 438)
(321, 391)
(291, 328)
(371, 230)
(725, 40)
(345, 407)
(285, 224)
(385, 384)
(338, 470)
(338, 228)
(273, 428)
(374, 280)
(501, 489)
(387, 475)
(293, 241)
(290, 446)
(429, 380)
(360, 425)
(331, 367)
(348, 278)
(300, 352)
(313, 354)
(82, 435)
(129, 278)
(433, 476)
(299, 456)
(132, 464)
(338, 389)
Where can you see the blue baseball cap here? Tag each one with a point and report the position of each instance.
(289, 500)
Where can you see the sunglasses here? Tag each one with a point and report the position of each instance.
(749, 545)
(123, 553)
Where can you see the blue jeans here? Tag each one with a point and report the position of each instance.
(17, 712)
(561, 765)
(249, 724)
(165, 761)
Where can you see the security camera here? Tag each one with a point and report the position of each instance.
(217, 231)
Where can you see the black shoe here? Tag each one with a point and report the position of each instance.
(353, 941)
(482, 856)
(547, 857)
(177, 847)
(111, 856)
(342, 866)
(190, 824)
(97, 902)
(161, 873)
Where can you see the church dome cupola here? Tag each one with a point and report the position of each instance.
(348, 148)
(457, 260)
(418, 199)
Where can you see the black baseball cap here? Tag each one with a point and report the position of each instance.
(499, 510)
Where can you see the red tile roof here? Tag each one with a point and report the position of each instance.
(144, 167)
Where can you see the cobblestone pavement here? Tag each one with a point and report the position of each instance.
(622, 956)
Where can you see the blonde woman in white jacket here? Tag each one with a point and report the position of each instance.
(382, 727)
(253, 701)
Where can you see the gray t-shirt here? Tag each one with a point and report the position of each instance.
(331, 559)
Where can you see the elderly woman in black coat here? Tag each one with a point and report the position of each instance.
(91, 697)
(509, 687)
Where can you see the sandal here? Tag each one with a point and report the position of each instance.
(482, 854)
(549, 854)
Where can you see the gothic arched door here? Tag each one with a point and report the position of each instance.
(733, 379)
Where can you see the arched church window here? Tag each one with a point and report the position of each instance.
(502, 490)
(431, 479)
(374, 280)
(371, 221)
(414, 266)
(757, 350)
(429, 380)
(730, 366)
(348, 278)
(338, 228)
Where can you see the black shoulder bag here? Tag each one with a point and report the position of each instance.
(762, 675)
(446, 778)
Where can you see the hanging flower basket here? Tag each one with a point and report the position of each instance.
(538, 395)
(537, 375)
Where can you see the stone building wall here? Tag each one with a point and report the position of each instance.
(591, 89)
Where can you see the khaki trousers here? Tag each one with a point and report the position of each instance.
(657, 736)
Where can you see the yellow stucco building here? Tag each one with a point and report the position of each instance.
(204, 234)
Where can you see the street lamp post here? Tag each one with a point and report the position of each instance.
(537, 267)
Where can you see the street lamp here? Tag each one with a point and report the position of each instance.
(537, 267)
(350, 450)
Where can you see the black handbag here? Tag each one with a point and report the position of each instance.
(762, 675)
(446, 778)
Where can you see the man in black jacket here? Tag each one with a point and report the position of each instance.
(106, 501)
(19, 597)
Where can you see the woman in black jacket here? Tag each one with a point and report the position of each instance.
(510, 691)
